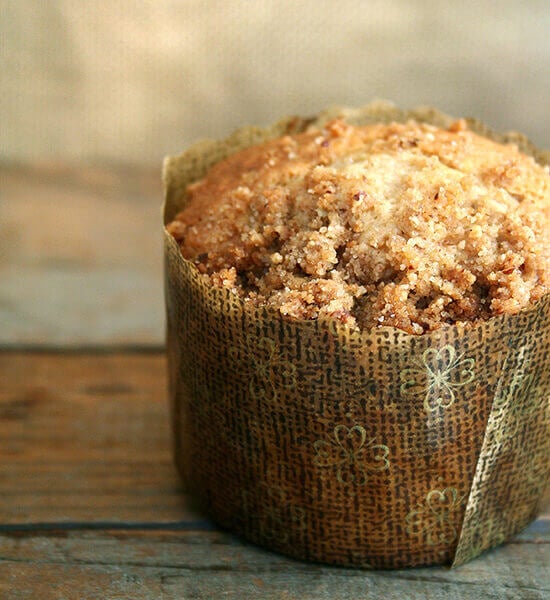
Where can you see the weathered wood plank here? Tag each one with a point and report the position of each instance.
(510, 565)
(55, 582)
(217, 565)
(80, 255)
(86, 438)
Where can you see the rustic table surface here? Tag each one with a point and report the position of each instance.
(91, 506)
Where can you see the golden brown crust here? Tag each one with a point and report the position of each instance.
(390, 224)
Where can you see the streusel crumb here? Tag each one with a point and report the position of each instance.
(407, 225)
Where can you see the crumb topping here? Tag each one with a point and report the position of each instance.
(401, 224)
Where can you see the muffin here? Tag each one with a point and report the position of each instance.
(358, 334)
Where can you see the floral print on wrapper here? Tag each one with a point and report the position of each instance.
(351, 455)
(436, 519)
(436, 376)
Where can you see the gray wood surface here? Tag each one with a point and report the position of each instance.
(99, 566)
(92, 507)
(80, 255)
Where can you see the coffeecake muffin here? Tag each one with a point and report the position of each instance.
(302, 262)
(401, 224)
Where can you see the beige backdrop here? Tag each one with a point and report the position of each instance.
(132, 80)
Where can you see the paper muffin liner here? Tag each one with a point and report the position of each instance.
(373, 448)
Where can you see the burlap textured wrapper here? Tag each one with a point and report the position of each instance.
(374, 449)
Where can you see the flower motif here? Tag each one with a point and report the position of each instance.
(436, 376)
(272, 515)
(269, 370)
(436, 518)
(348, 451)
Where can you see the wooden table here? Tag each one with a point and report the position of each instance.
(91, 506)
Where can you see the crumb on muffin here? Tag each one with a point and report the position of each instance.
(401, 224)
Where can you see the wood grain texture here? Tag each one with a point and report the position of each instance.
(80, 255)
(92, 508)
(86, 438)
(217, 565)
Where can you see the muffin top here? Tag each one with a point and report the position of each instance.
(400, 224)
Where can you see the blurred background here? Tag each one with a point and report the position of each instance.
(94, 94)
